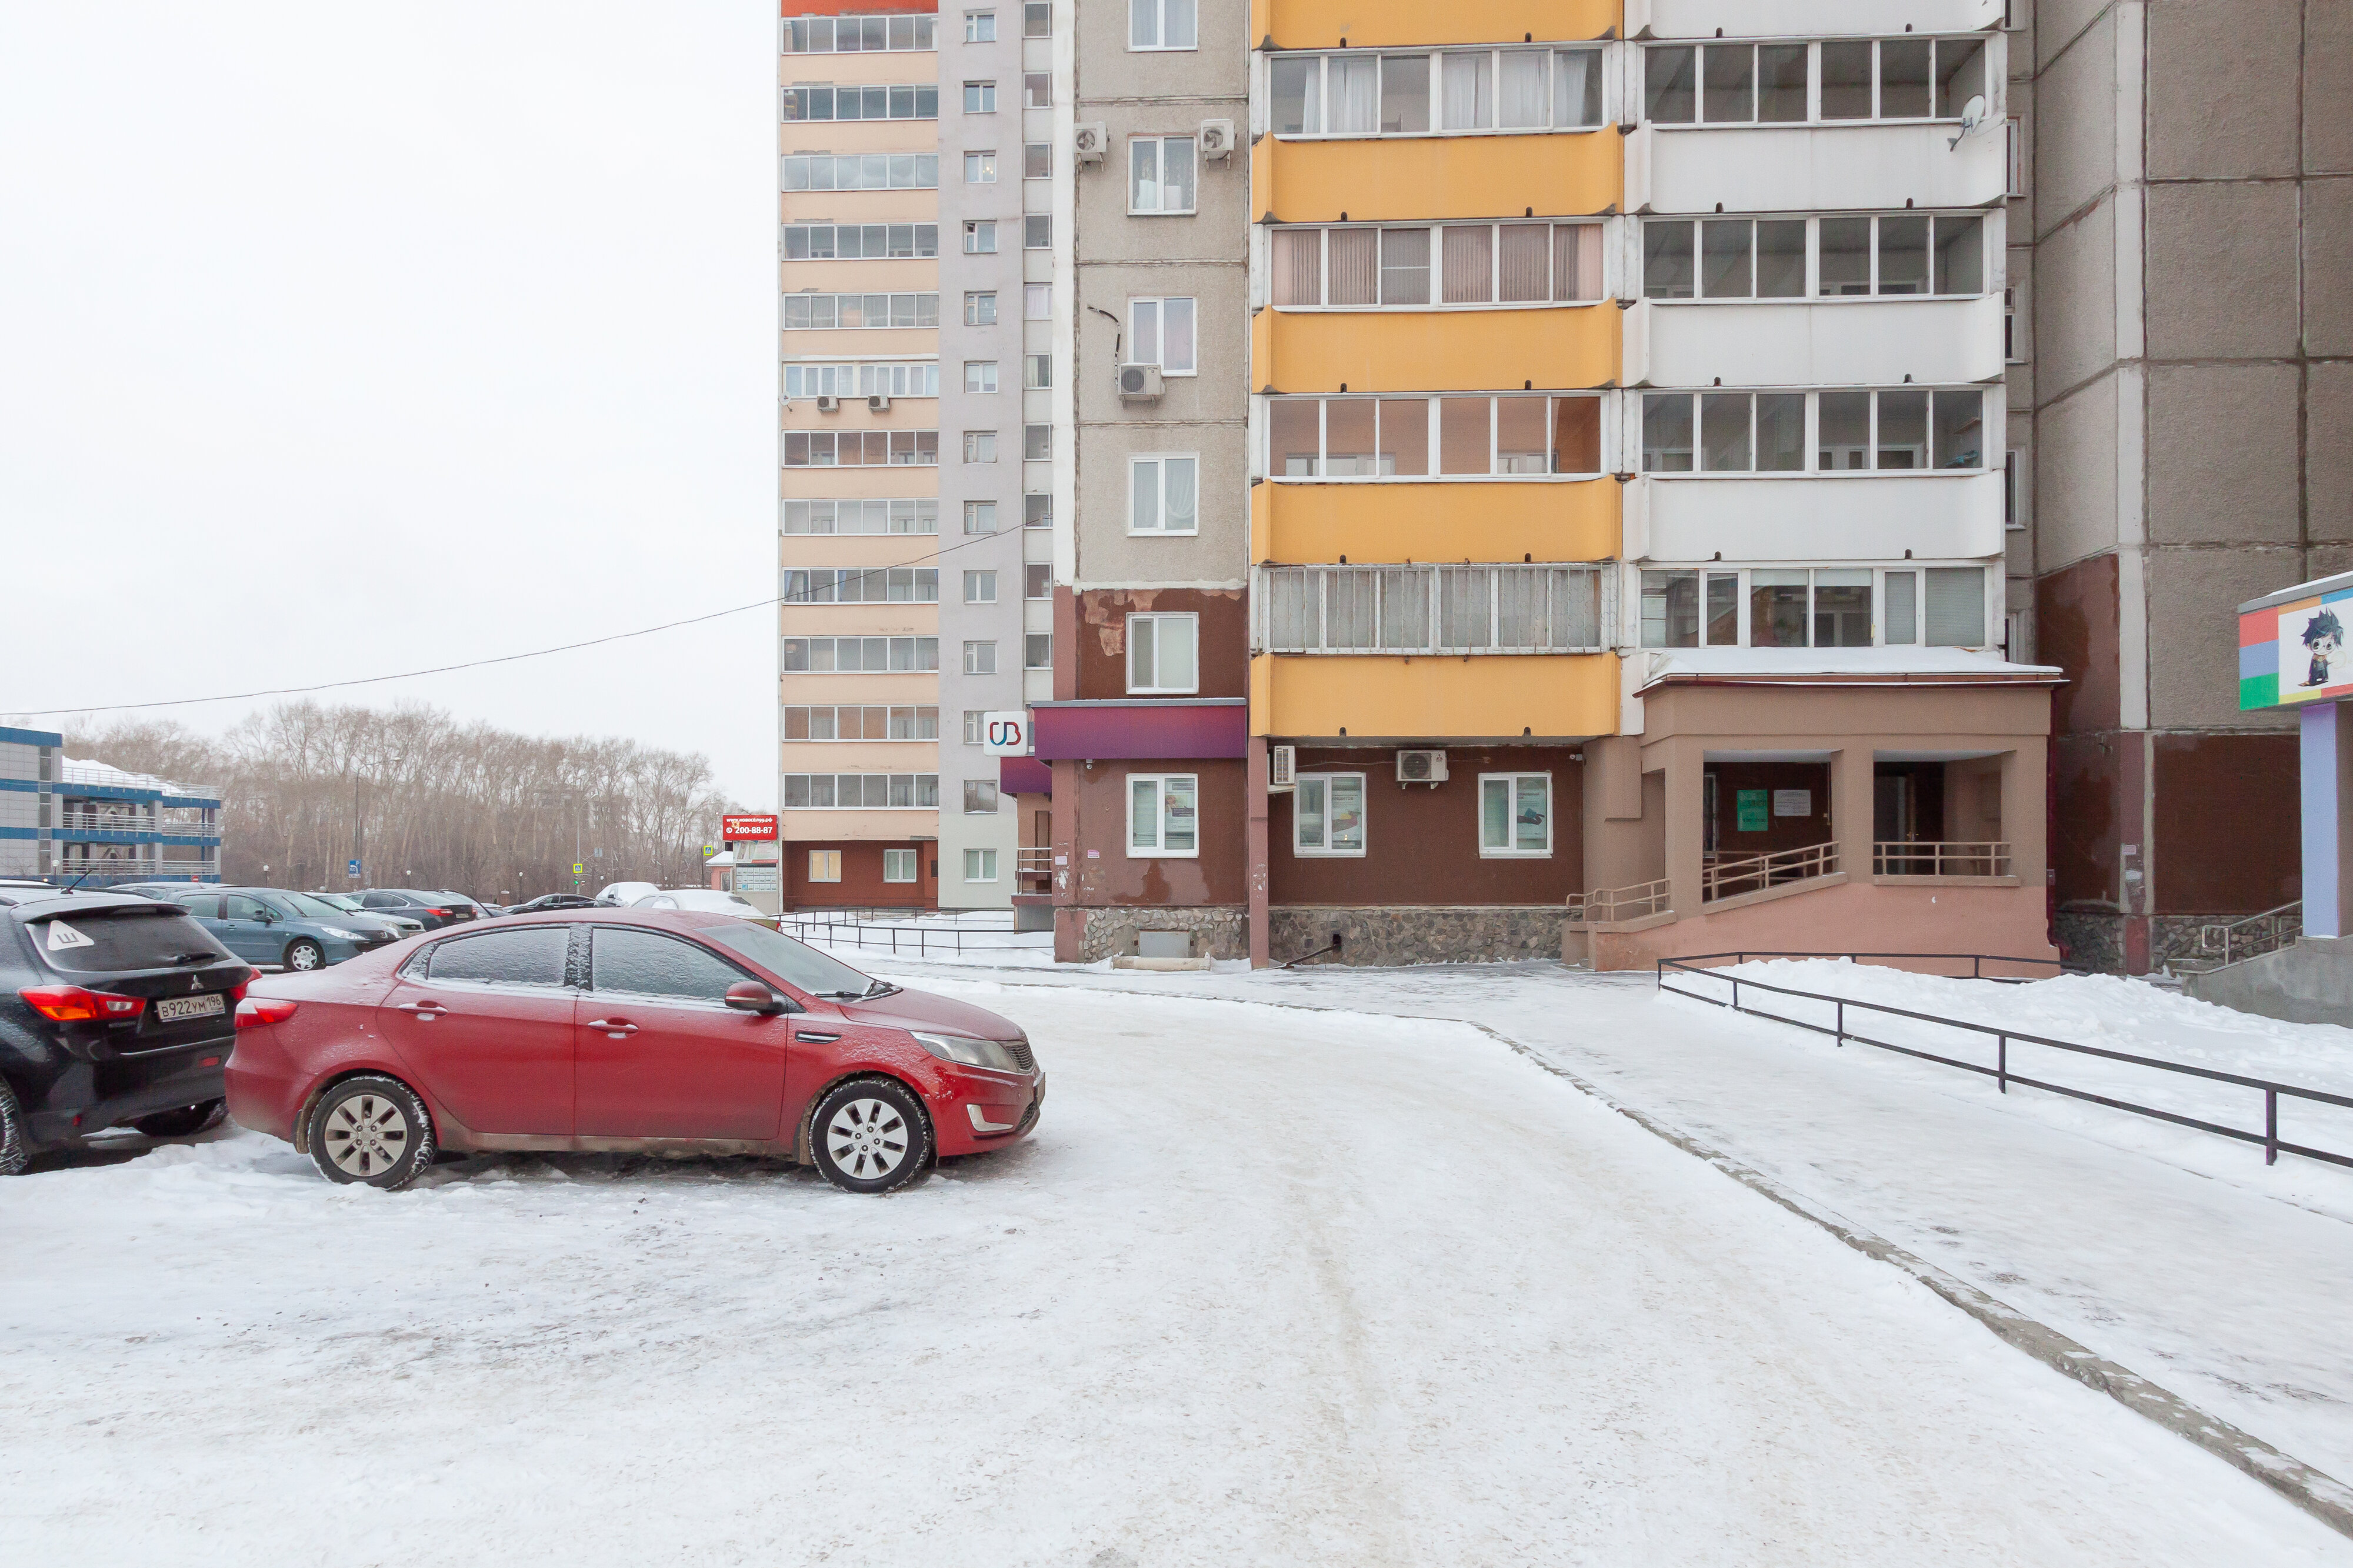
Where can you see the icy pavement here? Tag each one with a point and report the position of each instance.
(1268, 1287)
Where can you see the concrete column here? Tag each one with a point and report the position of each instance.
(1254, 867)
(2327, 803)
(1851, 809)
(1686, 763)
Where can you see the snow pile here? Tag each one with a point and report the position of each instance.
(964, 937)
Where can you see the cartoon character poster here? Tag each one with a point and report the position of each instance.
(2313, 658)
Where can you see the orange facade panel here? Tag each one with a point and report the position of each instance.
(1369, 697)
(1382, 24)
(1409, 179)
(1555, 348)
(1397, 521)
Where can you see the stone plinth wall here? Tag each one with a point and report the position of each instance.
(1393, 934)
(1088, 935)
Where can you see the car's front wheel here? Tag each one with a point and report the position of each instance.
(371, 1130)
(870, 1135)
(16, 1137)
(181, 1123)
(305, 954)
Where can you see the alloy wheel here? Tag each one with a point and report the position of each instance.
(367, 1135)
(866, 1138)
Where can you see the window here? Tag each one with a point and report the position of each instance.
(861, 242)
(916, 378)
(1956, 608)
(1036, 371)
(1038, 91)
(1743, 84)
(649, 963)
(979, 237)
(1161, 654)
(1514, 814)
(980, 658)
(1475, 264)
(1824, 607)
(861, 723)
(919, 514)
(1036, 160)
(901, 865)
(1038, 650)
(1744, 258)
(980, 168)
(824, 866)
(980, 865)
(1037, 442)
(980, 308)
(1160, 25)
(980, 98)
(980, 27)
(1464, 610)
(1037, 301)
(1360, 93)
(861, 172)
(1160, 331)
(975, 722)
(1037, 511)
(861, 792)
(1691, 609)
(979, 797)
(1038, 231)
(1327, 815)
(980, 446)
(861, 586)
(980, 517)
(1164, 494)
(1163, 814)
(860, 656)
(1038, 19)
(1037, 580)
(862, 448)
(846, 313)
(980, 588)
(2013, 510)
(980, 375)
(1418, 437)
(1893, 429)
(911, 101)
(1160, 175)
(852, 35)
(532, 955)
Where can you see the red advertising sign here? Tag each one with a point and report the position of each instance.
(747, 829)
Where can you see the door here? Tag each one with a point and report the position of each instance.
(488, 1029)
(243, 931)
(662, 1055)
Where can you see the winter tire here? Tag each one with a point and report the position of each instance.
(15, 1139)
(372, 1131)
(870, 1135)
(183, 1123)
(305, 955)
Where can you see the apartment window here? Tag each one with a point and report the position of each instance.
(1327, 815)
(861, 792)
(1160, 331)
(1744, 258)
(1036, 160)
(980, 658)
(1893, 429)
(869, 721)
(1792, 608)
(1424, 436)
(980, 375)
(1163, 494)
(1743, 84)
(853, 35)
(980, 168)
(1453, 264)
(1037, 301)
(980, 865)
(1163, 814)
(980, 446)
(832, 313)
(1037, 580)
(1038, 231)
(1691, 609)
(1514, 816)
(1037, 509)
(819, 102)
(980, 517)
(901, 865)
(1038, 650)
(1037, 442)
(979, 237)
(980, 98)
(980, 588)
(1036, 371)
(859, 655)
(825, 865)
(1038, 19)
(916, 378)
(979, 797)
(915, 514)
(861, 172)
(1160, 25)
(974, 723)
(1160, 175)
(857, 449)
(2011, 343)
(1822, 607)
(2013, 513)
(1462, 609)
(1365, 93)
(980, 308)
(1903, 253)
(980, 27)
(861, 242)
(861, 586)
(1161, 654)
(1038, 91)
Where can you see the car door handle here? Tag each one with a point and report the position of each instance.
(425, 1012)
(614, 1028)
(813, 1037)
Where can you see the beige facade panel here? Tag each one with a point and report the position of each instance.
(2328, 457)
(859, 136)
(2217, 106)
(805, 827)
(857, 756)
(2222, 456)
(2328, 266)
(2078, 264)
(857, 621)
(2075, 476)
(860, 206)
(2077, 114)
(2221, 271)
(860, 550)
(864, 483)
(1108, 553)
(861, 67)
(918, 274)
(923, 687)
(2194, 680)
(891, 342)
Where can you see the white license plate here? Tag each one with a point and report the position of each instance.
(172, 1009)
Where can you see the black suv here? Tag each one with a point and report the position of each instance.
(114, 1009)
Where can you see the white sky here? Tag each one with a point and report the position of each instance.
(339, 340)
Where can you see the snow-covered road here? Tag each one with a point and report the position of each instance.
(1268, 1287)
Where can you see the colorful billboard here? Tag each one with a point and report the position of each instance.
(2296, 652)
(737, 829)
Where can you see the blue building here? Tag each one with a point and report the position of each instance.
(61, 820)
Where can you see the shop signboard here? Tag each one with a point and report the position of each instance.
(2295, 653)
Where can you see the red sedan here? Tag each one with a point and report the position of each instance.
(627, 1030)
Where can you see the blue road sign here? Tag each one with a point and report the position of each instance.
(355, 867)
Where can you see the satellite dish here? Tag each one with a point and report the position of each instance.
(1973, 116)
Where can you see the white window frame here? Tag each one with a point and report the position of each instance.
(1743, 590)
(979, 653)
(975, 719)
(982, 860)
(982, 790)
(1037, 301)
(823, 865)
(980, 27)
(975, 230)
(1321, 785)
(1158, 848)
(1511, 817)
(1159, 12)
(1432, 446)
(979, 512)
(980, 168)
(980, 588)
(980, 98)
(1638, 459)
(1160, 461)
(1638, 111)
(980, 376)
(1602, 65)
(912, 859)
(1160, 145)
(1193, 624)
(980, 446)
(1159, 304)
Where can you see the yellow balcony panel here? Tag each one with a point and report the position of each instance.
(1420, 178)
(1558, 347)
(1435, 697)
(1322, 24)
(1402, 519)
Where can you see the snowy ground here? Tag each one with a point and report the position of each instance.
(1268, 1287)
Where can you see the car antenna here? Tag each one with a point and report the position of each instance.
(77, 883)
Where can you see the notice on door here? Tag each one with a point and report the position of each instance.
(1793, 803)
(1748, 811)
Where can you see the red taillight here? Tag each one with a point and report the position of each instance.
(73, 1004)
(255, 1011)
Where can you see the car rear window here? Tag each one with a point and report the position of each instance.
(101, 942)
(528, 955)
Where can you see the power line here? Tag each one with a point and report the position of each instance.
(480, 663)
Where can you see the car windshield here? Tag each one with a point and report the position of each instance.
(307, 908)
(348, 905)
(793, 961)
(99, 941)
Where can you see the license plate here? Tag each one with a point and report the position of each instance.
(172, 1009)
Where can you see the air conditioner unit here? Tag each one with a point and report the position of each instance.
(878, 404)
(1422, 767)
(829, 405)
(1139, 382)
(1217, 138)
(1281, 767)
(1088, 142)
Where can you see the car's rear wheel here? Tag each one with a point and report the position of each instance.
(16, 1137)
(181, 1123)
(870, 1135)
(305, 954)
(371, 1130)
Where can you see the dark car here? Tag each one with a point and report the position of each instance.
(115, 1010)
(547, 901)
(433, 909)
(483, 912)
(274, 925)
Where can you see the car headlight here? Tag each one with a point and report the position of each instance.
(963, 1048)
(346, 935)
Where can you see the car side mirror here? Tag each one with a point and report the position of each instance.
(750, 996)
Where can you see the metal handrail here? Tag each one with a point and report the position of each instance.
(1930, 858)
(1034, 858)
(2272, 1144)
(1718, 879)
(1629, 903)
(899, 939)
(2275, 932)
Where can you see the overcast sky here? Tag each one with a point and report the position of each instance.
(340, 340)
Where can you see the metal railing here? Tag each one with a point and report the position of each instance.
(913, 940)
(1731, 874)
(2269, 1138)
(1040, 858)
(1931, 859)
(2224, 942)
(124, 779)
(1632, 903)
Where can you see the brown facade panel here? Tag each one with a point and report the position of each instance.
(1421, 841)
(861, 885)
(1091, 828)
(1099, 639)
(2088, 815)
(2225, 824)
(2075, 628)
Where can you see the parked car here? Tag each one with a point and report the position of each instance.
(115, 1010)
(270, 925)
(670, 1032)
(621, 895)
(17, 889)
(554, 901)
(432, 910)
(401, 924)
(709, 900)
(483, 912)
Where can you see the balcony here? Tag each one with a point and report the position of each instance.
(1395, 520)
(1813, 168)
(1459, 350)
(1386, 179)
(1799, 342)
(1383, 24)
(1802, 18)
(1937, 515)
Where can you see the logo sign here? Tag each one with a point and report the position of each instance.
(1005, 734)
(2297, 653)
(753, 829)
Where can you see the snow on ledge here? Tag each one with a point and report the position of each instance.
(1838, 666)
